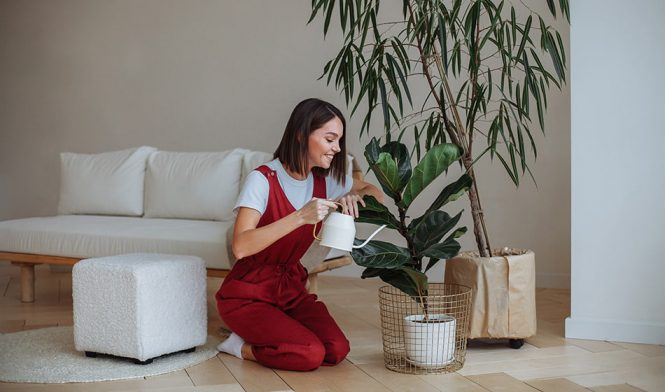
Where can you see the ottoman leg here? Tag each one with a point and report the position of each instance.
(516, 343)
(189, 350)
(146, 362)
(91, 354)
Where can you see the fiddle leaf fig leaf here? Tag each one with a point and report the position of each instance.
(400, 154)
(443, 250)
(372, 151)
(431, 228)
(376, 213)
(409, 280)
(435, 161)
(452, 192)
(379, 254)
(385, 170)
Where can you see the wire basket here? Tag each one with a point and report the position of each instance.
(428, 335)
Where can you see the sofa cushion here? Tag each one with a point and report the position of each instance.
(96, 236)
(109, 183)
(192, 185)
(253, 159)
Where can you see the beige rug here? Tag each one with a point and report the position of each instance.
(48, 356)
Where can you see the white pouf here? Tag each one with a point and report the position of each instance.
(140, 305)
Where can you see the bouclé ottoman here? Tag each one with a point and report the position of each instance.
(139, 306)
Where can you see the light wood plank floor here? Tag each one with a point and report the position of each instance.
(547, 362)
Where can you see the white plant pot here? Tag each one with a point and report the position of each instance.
(430, 343)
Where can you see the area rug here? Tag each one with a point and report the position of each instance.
(48, 356)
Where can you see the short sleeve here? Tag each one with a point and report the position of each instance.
(335, 190)
(254, 193)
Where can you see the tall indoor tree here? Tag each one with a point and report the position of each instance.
(486, 64)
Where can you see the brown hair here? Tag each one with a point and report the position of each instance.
(308, 116)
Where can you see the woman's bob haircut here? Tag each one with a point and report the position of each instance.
(308, 116)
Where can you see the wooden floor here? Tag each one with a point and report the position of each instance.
(548, 362)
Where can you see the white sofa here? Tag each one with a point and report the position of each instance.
(142, 201)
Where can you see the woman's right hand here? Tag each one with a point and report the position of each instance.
(315, 210)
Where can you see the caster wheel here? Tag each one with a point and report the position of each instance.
(516, 343)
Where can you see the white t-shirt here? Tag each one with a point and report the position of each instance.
(254, 193)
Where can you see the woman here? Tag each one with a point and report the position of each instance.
(263, 300)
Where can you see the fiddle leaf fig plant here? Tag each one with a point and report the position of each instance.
(430, 237)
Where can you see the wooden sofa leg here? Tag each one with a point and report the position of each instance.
(313, 283)
(27, 282)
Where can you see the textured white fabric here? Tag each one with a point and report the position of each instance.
(139, 305)
(47, 355)
(192, 185)
(94, 236)
(109, 183)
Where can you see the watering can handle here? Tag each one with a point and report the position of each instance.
(370, 237)
(314, 228)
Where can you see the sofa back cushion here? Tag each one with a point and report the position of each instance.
(192, 185)
(109, 183)
(251, 160)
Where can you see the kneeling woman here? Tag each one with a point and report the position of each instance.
(263, 300)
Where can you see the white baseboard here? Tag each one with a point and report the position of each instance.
(552, 280)
(615, 330)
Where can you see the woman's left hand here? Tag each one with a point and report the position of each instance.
(350, 202)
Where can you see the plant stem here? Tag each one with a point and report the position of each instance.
(479, 229)
(409, 241)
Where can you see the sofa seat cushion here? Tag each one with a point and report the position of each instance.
(96, 236)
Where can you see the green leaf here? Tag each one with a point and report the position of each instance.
(386, 172)
(431, 228)
(326, 24)
(315, 9)
(400, 153)
(525, 37)
(372, 151)
(435, 161)
(550, 5)
(442, 250)
(376, 213)
(408, 280)
(431, 263)
(379, 254)
(452, 192)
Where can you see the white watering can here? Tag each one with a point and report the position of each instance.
(339, 231)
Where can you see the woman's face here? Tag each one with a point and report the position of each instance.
(323, 144)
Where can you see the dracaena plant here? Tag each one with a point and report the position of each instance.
(486, 64)
(431, 236)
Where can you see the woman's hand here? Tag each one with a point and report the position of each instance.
(315, 210)
(350, 202)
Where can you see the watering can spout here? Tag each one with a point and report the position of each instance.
(370, 237)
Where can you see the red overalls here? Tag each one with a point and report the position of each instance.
(263, 299)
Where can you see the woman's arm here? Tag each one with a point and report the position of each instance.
(248, 240)
(359, 189)
(363, 188)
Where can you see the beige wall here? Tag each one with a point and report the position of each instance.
(93, 76)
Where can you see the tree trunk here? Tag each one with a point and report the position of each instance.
(479, 230)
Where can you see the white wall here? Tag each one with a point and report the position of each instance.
(97, 75)
(618, 266)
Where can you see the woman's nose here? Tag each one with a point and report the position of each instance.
(336, 148)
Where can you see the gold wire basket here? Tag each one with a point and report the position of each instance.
(428, 335)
